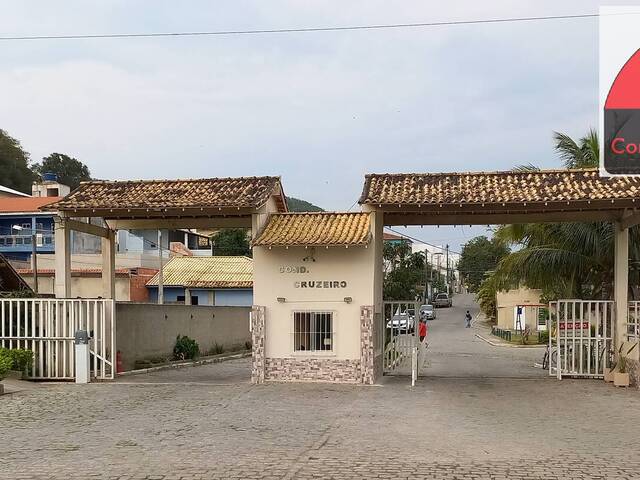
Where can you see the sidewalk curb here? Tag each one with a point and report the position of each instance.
(506, 345)
(195, 363)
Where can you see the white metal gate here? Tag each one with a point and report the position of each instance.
(581, 337)
(401, 340)
(47, 328)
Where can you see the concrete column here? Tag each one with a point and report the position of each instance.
(187, 296)
(621, 282)
(62, 260)
(109, 266)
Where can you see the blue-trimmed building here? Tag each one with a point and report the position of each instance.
(222, 281)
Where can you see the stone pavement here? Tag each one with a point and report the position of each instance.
(210, 423)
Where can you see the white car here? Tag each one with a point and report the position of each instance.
(403, 322)
(442, 300)
(427, 312)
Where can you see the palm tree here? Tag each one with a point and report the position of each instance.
(564, 259)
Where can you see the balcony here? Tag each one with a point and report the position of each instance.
(22, 243)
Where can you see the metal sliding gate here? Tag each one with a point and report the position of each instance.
(402, 347)
(47, 328)
(581, 336)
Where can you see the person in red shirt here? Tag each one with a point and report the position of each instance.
(422, 330)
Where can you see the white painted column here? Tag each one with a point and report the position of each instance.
(62, 260)
(621, 282)
(160, 270)
(187, 296)
(109, 266)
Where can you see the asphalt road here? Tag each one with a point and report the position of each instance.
(455, 351)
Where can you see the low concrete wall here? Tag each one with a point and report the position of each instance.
(146, 331)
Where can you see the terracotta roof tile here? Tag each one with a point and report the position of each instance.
(207, 272)
(316, 229)
(496, 187)
(24, 204)
(250, 192)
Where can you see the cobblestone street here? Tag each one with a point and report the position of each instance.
(208, 422)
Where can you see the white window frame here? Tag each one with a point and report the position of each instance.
(314, 353)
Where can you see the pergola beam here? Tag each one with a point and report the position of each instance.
(178, 223)
(88, 228)
(436, 218)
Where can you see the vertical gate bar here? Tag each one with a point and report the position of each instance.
(33, 336)
(2, 330)
(591, 339)
(102, 338)
(95, 332)
(40, 350)
(113, 337)
(11, 328)
(581, 341)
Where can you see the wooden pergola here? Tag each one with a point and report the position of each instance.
(244, 202)
(485, 198)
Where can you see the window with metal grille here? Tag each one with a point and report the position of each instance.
(313, 331)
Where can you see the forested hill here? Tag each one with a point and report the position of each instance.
(297, 205)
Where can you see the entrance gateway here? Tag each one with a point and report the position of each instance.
(338, 334)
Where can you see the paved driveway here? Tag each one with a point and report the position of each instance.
(188, 424)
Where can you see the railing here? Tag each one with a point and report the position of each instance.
(24, 241)
(581, 338)
(633, 322)
(47, 328)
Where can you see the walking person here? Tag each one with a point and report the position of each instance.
(422, 330)
(467, 318)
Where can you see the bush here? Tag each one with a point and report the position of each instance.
(186, 348)
(217, 349)
(18, 359)
(5, 365)
(248, 345)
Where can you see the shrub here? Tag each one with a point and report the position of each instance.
(186, 348)
(248, 345)
(217, 349)
(19, 359)
(5, 365)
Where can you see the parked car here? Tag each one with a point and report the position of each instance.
(427, 312)
(442, 300)
(403, 322)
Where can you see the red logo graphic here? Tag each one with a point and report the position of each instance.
(622, 121)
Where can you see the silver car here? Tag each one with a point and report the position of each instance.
(427, 312)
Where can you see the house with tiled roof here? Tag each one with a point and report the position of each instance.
(193, 280)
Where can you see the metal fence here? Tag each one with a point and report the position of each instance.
(633, 322)
(402, 345)
(47, 328)
(582, 337)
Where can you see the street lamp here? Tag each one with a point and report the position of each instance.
(34, 256)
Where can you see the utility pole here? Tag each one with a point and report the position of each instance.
(34, 260)
(448, 282)
(160, 279)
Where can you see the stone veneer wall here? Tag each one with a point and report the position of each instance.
(367, 344)
(633, 367)
(316, 369)
(313, 370)
(257, 339)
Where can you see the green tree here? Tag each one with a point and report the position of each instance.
(297, 205)
(14, 164)
(231, 241)
(479, 257)
(69, 170)
(404, 272)
(565, 259)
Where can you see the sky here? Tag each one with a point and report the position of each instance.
(319, 109)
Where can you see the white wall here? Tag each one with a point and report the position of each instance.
(354, 265)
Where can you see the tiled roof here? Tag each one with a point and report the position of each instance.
(24, 204)
(75, 272)
(11, 192)
(496, 187)
(316, 229)
(207, 272)
(250, 192)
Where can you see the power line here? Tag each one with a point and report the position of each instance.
(421, 241)
(300, 29)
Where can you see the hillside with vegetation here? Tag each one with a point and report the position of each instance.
(297, 205)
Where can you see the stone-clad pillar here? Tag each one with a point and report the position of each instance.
(257, 340)
(367, 347)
